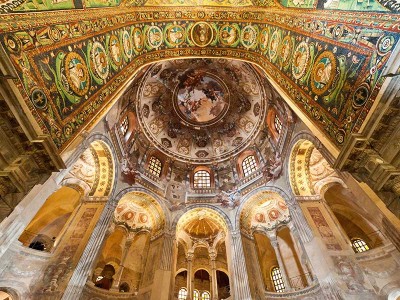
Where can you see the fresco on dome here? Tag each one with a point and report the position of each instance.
(330, 68)
(200, 97)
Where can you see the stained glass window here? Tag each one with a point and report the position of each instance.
(196, 295)
(205, 296)
(124, 125)
(277, 280)
(155, 166)
(182, 294)
(202, 179)
(359, 245)
(249, 165)
(277, 124)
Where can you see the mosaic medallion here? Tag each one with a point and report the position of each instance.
(76, 73)
(286, 51)
(385, 44)
(263, 43)
(249, 36)
(154, 36)
(361, 95)
(202, 34)
(99, 60)
(127, 44)
(175, 35)
(274, 45)
(323, 73)
(39, 98)
(228, 35)
(137, 37)
(301, 60)
(115, 50)
(13, 44)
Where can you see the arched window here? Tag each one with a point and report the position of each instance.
(205, 296)
(124, 125)
(277, 124)
(155, 166)
(182, 294)
(276, 277)
(249, 165)
(196, 295)
(359, 245)
(201, 179)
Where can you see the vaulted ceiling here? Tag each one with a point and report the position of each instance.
(71, 67)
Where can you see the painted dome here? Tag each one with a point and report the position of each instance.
(201, 110)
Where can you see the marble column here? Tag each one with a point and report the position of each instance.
(275, 245)
(240, 281)
(125, 251)
(214, 283)
(84, 266)
(189, 258)
(164, 275)
(301, 251)
(305, 232)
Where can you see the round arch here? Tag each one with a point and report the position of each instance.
(71, 160)
(268, 188)
(167, 215)
(218, 210)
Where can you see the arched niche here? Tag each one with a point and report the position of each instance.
(91, 175)
(260, 216)
(202, 236)
(51, 218)
(138, 220)
(202, 281)
(180, 281)
(223, 284)
(355, 221)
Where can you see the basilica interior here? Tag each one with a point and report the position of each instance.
(199, 149)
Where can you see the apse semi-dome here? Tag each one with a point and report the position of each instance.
(201, 110)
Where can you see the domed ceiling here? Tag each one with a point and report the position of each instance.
(201, 223)
(201, 110)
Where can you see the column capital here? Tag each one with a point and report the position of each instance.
(213, 254)
(190, 255)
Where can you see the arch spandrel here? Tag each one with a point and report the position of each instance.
(314, 68)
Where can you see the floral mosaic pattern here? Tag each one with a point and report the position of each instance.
(330, 69)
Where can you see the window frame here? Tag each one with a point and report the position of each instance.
(278, 124)
(251, 167)
(155, 166)
(182, 293)
(124, 125)
(277, 279)
(359, 245)
(205, 181)
(205, 293)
